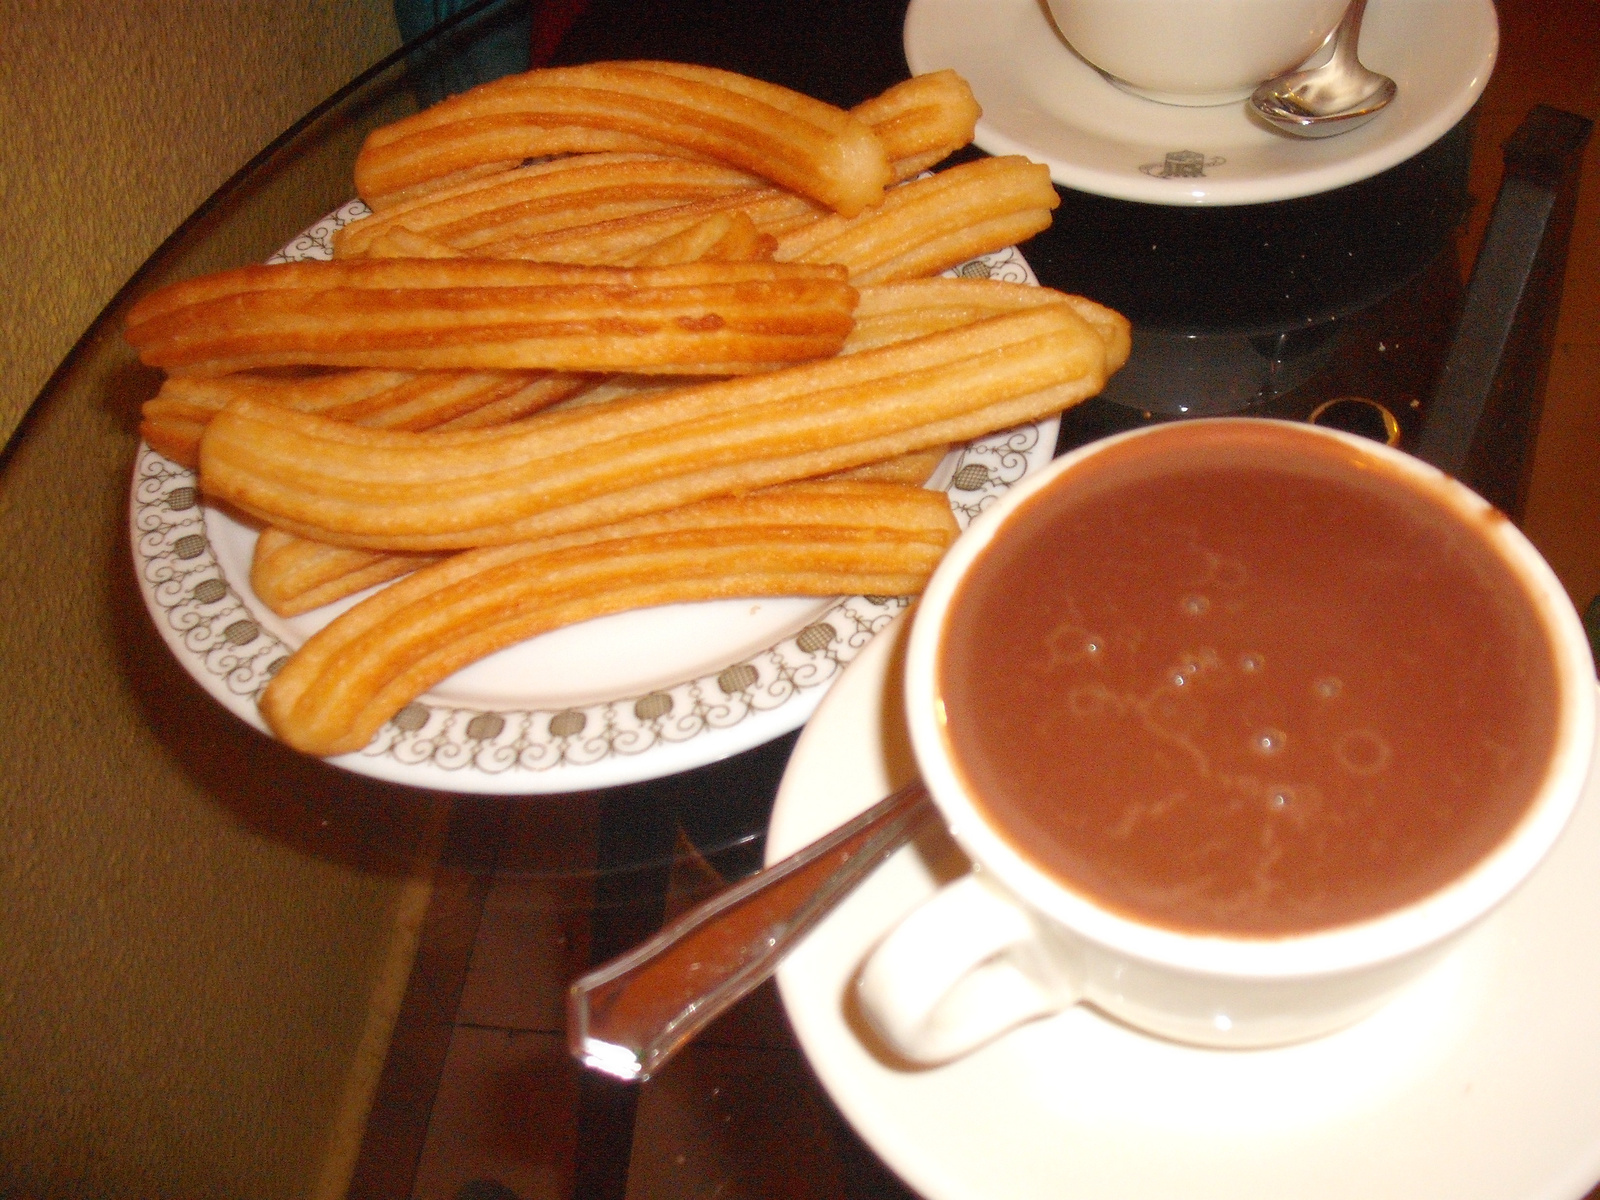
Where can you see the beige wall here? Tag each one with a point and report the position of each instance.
(199, 932)
(119, 119)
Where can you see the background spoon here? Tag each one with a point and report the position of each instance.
(1333, 98)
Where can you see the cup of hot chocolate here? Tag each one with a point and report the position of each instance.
(1243, 723)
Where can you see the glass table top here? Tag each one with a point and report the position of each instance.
(304, 981)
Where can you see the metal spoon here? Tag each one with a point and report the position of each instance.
(628, 1017)
(1333, 98)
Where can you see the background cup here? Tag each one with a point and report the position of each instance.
(1195, 52)
(1008, 943)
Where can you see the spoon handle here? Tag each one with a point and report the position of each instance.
(1347, 38)
(628, 1017)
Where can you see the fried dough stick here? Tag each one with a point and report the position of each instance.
(604, 243)
(793, 140)
(294, 575)
(427, 314)
(898, 312)
(929, 225)
(173, 421)
(809, 539)
(593, 465)
(722, 237)
(554, 195)
(920, 122)
(921, 228)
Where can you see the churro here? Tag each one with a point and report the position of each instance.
(582, 189)
(919, 122)
(809, 539)
(433, 314)
(175, 418)
(928, 225)
(922, 121)
(293, 575)
(800, 143)
(898, 312)
(598, 464)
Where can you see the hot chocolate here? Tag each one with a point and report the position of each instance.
(1224, 690)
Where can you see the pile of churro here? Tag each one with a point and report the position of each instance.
(614, 336)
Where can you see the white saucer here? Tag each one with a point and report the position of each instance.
(1480, 1083)
(1040, 99)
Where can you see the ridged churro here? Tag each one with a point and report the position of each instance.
(898, 312)
(922, 121)
(919, 122)
(581, 189)
(808, 539)
(598, 464)
(803, 144)
(434, 314)
(921, 228)
(175, 418)
(929, 225)
(293, 575)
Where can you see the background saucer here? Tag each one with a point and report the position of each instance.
(1478, 1083)
(1040, 99)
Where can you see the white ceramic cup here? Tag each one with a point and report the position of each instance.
(1195, 52)
(1008, 943)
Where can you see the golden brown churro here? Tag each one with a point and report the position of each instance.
(928, 225)
(292, 575)
(598, 464)
(480, 409)
(810, 539)
(922, 121)
(803, 144)
(582, 189)
(176, 417)
(897, 312)
(919, 122)
(433, 314)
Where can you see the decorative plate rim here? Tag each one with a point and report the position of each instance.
(212, 624)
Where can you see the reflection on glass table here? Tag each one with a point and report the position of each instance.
(369, 976)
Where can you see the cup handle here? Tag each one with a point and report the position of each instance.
(960, 970)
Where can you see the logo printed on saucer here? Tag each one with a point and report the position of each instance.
(1182, 164)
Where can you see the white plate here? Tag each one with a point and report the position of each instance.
(1482, 1082)
(1040, 99)
(625, 698)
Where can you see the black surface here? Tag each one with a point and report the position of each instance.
(1259, 268)
(1484, 418)
(841, 51)
(1352, 292)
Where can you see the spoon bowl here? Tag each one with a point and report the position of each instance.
(1336, 97)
